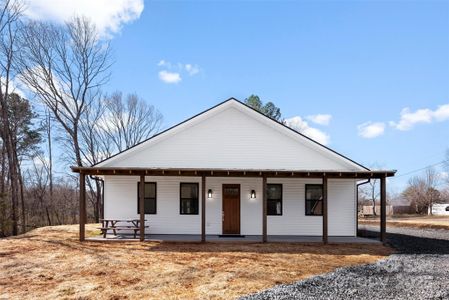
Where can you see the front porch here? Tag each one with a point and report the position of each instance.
(188, 238)
(211, 185)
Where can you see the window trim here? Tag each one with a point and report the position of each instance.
(197, 199)
(155, 197)
(306, 200)
(281, 200)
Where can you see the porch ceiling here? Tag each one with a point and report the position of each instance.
(232, 172)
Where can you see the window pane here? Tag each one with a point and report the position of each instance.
(189, 206)
(274, 207)
(150, 205)
(274, 191)
(314, 192)
(231, 191)
(150, 190)
(189, 190)
(314, 207)
(149, 198)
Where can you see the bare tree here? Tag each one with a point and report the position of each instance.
(129, 120)
(38, 177)
(65, 66)
(10, 12)
(415, 193)
(432, 194)
(111, 125)
(422, 191)
(371, 193)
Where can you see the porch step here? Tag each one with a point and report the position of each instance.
(231, 236)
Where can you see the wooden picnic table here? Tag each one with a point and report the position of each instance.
(111, 224)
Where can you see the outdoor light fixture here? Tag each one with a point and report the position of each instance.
(209, 193)
(253, 194)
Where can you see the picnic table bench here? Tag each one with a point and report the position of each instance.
(111, 224)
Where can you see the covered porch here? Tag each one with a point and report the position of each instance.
(204, 174)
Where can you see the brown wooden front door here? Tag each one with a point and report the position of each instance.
(231, 208)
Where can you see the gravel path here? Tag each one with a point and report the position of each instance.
(419, 271)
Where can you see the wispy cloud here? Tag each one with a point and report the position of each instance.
(192, 69)
(177, 68)
(298, 124)
(108, 16)
(371, 130)
(320, 119)
(169, 77)
(408, 119)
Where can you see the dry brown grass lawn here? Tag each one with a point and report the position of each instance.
(49, 263)
(433, 222)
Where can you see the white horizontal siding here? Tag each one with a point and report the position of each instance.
(232, 139)
(293, 220)
(121, 202)
(342, 207)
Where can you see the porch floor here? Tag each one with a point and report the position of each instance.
(246, 238)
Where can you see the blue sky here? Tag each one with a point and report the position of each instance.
(358, 62)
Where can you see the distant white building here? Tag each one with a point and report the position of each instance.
(440, 209)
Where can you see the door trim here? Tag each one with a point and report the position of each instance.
(222, 208)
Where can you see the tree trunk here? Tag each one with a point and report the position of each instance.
(12, 162)
(22, 201)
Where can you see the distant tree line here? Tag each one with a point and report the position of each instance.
(67, 120)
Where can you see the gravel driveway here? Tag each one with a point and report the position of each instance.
(419, 271)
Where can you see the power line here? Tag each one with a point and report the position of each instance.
(423, 168)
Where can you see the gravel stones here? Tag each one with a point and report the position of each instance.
(420, 270)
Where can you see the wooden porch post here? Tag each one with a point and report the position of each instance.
(82, 217)
(203, 208)
(264, 209)
(142, 207)
(383, 209)
(325, 216)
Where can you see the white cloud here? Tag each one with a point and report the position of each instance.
(321, 119)
(409, 119)
(441, 113)
(179, 68)
(109, 16)
(370, 130)
(443, 175)
(169, 77)
(14, 86)
(192, 69)
(298, 124)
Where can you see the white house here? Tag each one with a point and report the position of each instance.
(440, 209)
(230, 170)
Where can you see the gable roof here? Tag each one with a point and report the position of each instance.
(234, 103)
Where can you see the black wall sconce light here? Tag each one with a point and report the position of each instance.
(209, 193)
(253, 194)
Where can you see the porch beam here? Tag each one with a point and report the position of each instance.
(82, 217)
(325, 211)
(264, 209)
(383, 209)
(233, 173)
(203, 208)
(142, 207)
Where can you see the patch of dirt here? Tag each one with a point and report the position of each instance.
(430, 222)
(50, 262)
